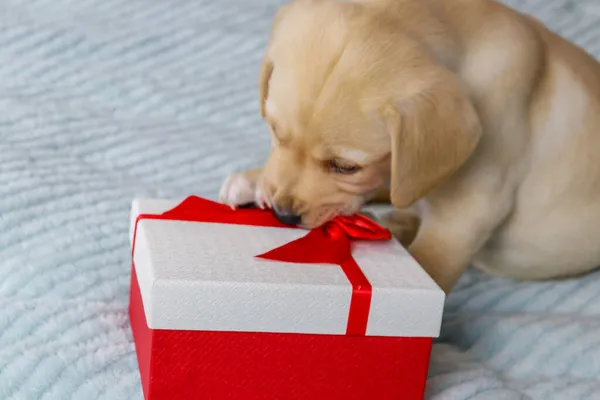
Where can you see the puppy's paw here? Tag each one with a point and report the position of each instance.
(240, 189)
(403, 224)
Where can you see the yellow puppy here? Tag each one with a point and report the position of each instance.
(477, 117)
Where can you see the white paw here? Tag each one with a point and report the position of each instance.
(260, 199)
(238, 190)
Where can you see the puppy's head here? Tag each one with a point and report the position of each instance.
(353, 103)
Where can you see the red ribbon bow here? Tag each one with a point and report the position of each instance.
(328, 244)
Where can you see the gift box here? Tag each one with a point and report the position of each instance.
(234, 305)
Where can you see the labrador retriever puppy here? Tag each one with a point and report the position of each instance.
(483, 124)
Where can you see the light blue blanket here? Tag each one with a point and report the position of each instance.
(104, 100)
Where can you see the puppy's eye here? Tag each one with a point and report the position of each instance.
(342, 167)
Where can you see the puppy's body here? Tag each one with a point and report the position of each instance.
(547, 147)
(479, 115)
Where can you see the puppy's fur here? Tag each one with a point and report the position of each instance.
(478, 117)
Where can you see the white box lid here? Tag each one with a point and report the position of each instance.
(205, 276)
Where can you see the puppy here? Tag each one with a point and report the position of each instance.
(484, 125)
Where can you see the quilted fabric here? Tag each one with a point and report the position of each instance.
(101, 101)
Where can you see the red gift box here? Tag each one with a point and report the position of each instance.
(334, 313)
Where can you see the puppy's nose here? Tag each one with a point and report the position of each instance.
(287, 217)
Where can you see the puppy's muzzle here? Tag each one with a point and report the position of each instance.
(287, 217)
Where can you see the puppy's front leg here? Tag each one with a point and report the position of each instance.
(403, 224)
(451, 234)
(242, 188)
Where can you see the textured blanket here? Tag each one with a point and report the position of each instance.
(104, 100)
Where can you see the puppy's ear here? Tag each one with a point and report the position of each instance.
(266, 71)
(433, 132)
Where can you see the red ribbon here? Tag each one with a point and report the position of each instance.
(328, 244)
